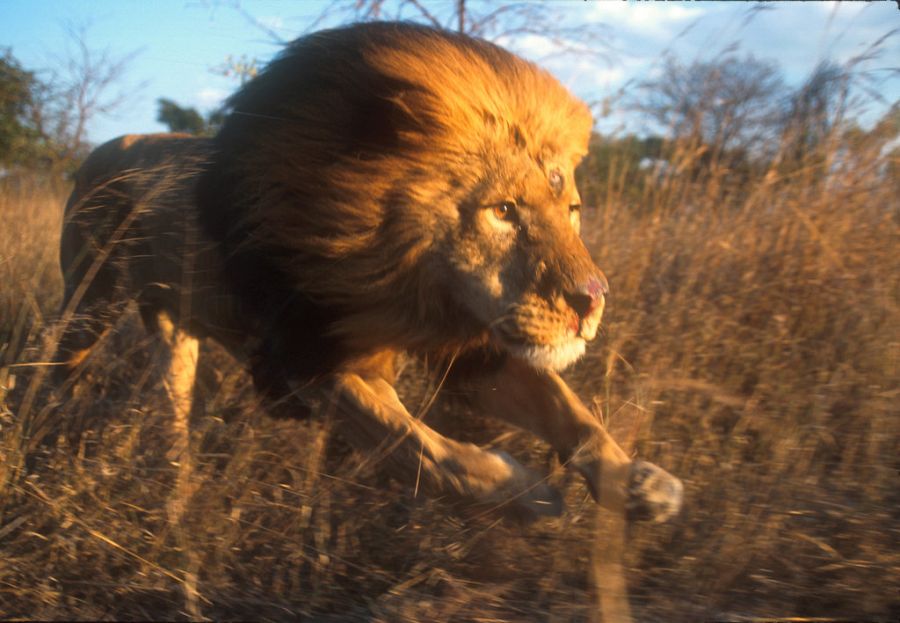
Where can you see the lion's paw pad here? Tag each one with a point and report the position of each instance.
(653, 493)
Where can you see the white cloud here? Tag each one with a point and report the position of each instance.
(650, 19)
(606, 76)
(578, 72)
(843, 9)
(272, 22)
(530, 46)
(586, 74)
(210, 97)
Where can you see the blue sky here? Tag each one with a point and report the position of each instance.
(179, 43)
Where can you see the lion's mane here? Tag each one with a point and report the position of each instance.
(328, 161)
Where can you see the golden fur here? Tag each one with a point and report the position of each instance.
(378, 190)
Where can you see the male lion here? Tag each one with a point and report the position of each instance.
(378, 190)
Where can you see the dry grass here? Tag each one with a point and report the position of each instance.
(31, 215)
(751, 348)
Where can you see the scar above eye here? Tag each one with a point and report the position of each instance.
(556, 181)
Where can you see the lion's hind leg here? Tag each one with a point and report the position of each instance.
(91, 260)
(93, 301)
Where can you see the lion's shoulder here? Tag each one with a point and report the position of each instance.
(132, 148)
(144, 152)
(131, 145)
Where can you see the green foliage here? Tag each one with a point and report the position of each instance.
(179, 119)
(186, 119)
(17, 131)
(43, 121)
(617, 162)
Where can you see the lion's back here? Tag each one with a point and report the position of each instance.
(132, 217)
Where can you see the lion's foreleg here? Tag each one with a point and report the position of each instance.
(375, 416)
(182, 351)
(541, 402)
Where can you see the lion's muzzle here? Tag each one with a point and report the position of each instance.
(587, 301)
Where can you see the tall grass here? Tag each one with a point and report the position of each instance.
(751, 347)
(30, 283)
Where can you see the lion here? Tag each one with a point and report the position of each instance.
(380, 191)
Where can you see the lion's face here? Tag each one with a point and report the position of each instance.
(442, 179)
(518, 263)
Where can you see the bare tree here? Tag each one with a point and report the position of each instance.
(816, 109)
(727, 103)
(503, 22)
(494, 21)
(480, 18)
(73, 93)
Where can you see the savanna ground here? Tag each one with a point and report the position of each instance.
(750, 347)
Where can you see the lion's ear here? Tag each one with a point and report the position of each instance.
(376, 125)
(387, 115)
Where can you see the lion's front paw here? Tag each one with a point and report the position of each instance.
(496, 482)
(525, 496)
(653, 493)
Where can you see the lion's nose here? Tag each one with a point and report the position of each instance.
(588, 296)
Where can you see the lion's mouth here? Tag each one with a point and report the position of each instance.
(547, 334)
(554, 357)
(550, 350)
(587, 326)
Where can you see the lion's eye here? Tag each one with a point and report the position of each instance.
(505, 211)
(556, 181)
(575, 207)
